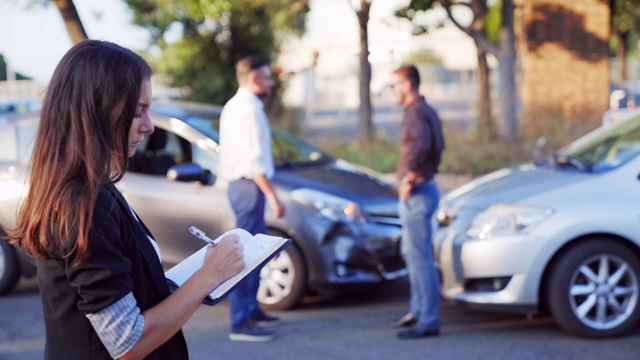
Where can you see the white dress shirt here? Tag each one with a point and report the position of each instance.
(245, 138)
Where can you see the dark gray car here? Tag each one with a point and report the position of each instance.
(343, 219)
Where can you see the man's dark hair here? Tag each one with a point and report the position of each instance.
(409, 72)
(248, 64)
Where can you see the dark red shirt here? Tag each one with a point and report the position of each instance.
(421, 141)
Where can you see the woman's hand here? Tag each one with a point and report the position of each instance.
(225, 259)
(221, 262)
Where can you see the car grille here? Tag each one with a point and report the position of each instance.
(385, 219)
(487, 284)
(392, 264)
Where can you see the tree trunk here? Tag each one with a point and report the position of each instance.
(71, 20)
(508, 116)
(365, 123)
(485, 126)
(621, 56)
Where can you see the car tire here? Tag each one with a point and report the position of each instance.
(594, 289)
(283, 281)
(9, 267)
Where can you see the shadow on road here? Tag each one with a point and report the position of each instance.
(386, 292)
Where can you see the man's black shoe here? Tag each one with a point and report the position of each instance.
(405, 321)
(249, 332)
(263, 320)
(417, 332)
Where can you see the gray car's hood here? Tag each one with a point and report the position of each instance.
(510, 185)
(339, 179)
(335, 180)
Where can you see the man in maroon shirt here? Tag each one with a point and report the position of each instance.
(420, 150)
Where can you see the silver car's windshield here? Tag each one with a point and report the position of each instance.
(605, 148)
(287, 149)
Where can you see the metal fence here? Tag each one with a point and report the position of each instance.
(20, 91)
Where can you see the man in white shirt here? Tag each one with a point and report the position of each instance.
(246, 163)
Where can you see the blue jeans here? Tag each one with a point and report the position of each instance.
(248, 203)
(416, 214)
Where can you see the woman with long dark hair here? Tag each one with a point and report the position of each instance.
(101, 281)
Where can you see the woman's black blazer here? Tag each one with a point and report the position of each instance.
(119, 259)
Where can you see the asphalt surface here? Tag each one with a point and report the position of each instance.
(347, 327)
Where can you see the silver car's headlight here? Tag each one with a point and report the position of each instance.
(330, 206)
(502, 219)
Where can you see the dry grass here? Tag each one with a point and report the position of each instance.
(466, 155)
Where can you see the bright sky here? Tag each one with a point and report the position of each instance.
(33, 39)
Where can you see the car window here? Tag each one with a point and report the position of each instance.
(287, 149)
(207, 125)
(205, 159)
(607, 148)
(159, 151)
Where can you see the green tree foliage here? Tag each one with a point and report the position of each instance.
(215, 35)
(493, 22)
(626, 15)
(625, 26)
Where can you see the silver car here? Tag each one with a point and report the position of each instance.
(561, 234)
(342, 219)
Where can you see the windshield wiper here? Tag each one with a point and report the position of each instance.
(562, 159)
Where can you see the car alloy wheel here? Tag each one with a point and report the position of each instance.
(595, 289)
(283, 280)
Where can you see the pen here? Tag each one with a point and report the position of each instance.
(200, 234)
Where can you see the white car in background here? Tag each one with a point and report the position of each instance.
(561, 234)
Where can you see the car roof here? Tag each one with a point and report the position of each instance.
(184, 109)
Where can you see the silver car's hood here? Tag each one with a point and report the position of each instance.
(510, 185)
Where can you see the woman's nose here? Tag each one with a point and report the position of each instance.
(147, 127)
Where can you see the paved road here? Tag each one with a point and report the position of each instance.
(350, 327)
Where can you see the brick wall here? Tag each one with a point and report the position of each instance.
(563, 60)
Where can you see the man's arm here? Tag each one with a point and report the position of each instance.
(406, 184)
(265, 185)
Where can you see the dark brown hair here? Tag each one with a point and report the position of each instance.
(78, 148)
(247, 64)
(409, 72)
